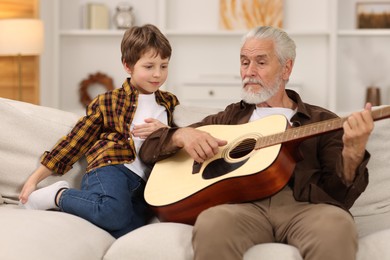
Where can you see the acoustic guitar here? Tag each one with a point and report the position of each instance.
(257, 162)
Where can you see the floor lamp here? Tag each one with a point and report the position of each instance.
(21, 37)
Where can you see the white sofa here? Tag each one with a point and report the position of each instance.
(27, 130)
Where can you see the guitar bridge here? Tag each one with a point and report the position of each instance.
(196, 167)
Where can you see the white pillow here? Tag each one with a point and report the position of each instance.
(155, 241)
(48, 235)
(376, 198)
(26, 131)
(374, 246)
(372, 209)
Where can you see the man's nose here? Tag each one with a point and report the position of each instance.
(251, 70)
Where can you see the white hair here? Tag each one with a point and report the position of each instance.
(284, 45)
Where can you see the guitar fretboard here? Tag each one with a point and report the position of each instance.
(302, 132)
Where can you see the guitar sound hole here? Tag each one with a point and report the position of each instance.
(220, 167)
(244, 148)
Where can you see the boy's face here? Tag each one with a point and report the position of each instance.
(148, 73)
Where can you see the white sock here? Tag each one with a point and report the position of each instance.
(44, 198)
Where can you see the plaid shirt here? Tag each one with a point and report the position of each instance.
(103, 135)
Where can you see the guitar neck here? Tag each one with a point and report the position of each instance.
(310, 130)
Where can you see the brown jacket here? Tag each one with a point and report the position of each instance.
(315, 178)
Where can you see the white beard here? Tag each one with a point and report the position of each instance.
(262, 95)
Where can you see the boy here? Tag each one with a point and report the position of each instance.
(110, 135)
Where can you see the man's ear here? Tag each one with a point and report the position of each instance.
(287, 69)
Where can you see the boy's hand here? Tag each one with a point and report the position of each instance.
(144, 130)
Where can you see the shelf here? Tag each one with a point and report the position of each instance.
(198, 33)
(238, 33)
(329, 40)
(92, 32)
(365, 32)
(203, 33)
(308, 32)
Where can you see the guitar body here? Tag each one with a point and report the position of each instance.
(179, 189)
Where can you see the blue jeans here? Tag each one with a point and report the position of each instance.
(111, 197)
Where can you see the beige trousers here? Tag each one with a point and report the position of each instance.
(319, 231)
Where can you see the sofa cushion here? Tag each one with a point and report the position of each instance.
(376, 198)
(27, 131)
(274, 251)
(374, 203)
(374, 246)
(159, 241)
(48, 235)
(370, 224)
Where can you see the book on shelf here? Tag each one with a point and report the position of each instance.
(97, 16)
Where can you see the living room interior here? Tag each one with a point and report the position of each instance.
(336, 60)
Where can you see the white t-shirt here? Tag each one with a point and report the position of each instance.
(147, 108)
(261, 112)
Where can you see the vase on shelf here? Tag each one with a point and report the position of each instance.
(373, 95)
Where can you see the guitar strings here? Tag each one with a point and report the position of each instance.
(289, 134)
(296, 133)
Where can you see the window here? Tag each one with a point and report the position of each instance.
(9, 80)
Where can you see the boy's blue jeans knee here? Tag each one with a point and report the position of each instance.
(111, 197)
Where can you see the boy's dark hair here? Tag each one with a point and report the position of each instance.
(138, 40)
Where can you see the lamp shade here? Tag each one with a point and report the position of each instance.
(21, 37)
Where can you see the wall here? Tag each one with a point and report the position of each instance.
(329, 65)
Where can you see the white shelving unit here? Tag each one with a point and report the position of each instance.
(362, 59)
(333, 66)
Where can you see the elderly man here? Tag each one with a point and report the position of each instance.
(311, 211)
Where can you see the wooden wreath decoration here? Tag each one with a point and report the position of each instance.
(93, 79)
